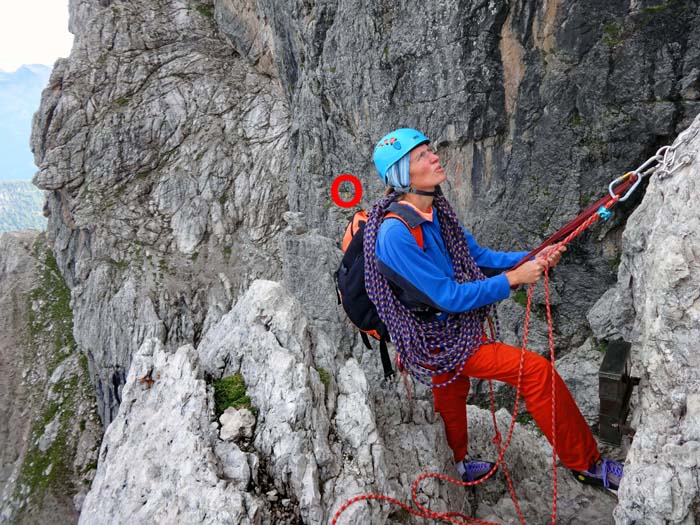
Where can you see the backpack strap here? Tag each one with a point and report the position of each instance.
(353, 227)
(417, 231)
(386, 360)
(365, 340)
(383, 353)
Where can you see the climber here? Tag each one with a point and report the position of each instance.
(424, 281)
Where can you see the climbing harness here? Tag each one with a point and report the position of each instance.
(663, 163)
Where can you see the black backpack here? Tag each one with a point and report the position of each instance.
(350, 284)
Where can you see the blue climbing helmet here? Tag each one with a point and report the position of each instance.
(392, 148)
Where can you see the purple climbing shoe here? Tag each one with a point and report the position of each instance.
(474, 470)
(604, 473)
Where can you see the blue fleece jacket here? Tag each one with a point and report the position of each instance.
(426, 277)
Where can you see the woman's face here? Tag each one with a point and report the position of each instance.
(424, 169)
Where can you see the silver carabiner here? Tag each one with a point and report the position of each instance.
(619, 180)
(638, 172)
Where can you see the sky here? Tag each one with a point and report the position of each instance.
(33, 32)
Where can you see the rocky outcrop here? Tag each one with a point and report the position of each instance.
(171, 159)
(159, 460)
(658, 283)
(321, 436)
(188, 149)
(49, 430)
(534, 107)
(18, 271)
(164, 153)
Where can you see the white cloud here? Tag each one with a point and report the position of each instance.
(33, 32)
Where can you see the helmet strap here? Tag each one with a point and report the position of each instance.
(437, 191)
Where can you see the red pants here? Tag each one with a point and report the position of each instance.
(576, 446)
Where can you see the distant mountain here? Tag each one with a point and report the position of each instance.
(20, 206)
(20, 94)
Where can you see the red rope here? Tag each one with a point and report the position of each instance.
(457, 517)
(422, 511)
(587, 217)
(554, 397)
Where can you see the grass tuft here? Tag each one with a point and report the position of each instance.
(520, 297)
(230, 392)
(324, 376)
(205, 10)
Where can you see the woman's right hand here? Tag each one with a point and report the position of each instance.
(528, 273)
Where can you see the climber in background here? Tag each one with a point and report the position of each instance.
(435, 301)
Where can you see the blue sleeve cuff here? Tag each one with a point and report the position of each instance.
(502, 288)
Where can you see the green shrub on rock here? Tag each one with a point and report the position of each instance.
(230, 392)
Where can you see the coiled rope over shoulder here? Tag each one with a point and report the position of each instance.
(427, 348)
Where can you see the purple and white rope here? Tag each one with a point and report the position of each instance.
(416, 342)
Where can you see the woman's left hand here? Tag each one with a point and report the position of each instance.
(551, 256)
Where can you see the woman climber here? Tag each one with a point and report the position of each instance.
(434, 301)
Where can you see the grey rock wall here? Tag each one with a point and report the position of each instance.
(321, 436)
(658, 281)
(534, 108)
(18, 271)
(188, 148)
(20, 206)
(158, 460)
(165, 155)
(171, 154)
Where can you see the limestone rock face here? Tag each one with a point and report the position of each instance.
(158, 460)
(521, 99)
(165, 154)
(188, 148)
(579, 370)
(321, 437)
(359, 434)
(658, 279)
(236, 423)
(178, 132)
(18, 271)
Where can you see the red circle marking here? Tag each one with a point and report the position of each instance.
(335, 190)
